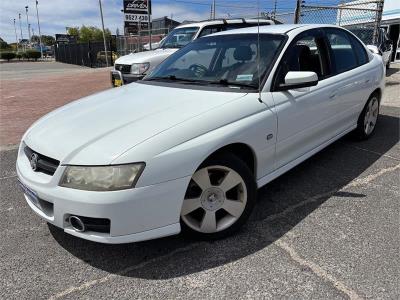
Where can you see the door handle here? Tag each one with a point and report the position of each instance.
(333, 96)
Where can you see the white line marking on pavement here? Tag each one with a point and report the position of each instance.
(120, 273)
(367, 179)
(318, 271)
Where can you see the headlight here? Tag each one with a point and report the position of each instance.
(139, 69)
(101, 178)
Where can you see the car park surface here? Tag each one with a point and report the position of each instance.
(327, 229)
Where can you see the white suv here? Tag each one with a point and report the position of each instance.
(135, 66)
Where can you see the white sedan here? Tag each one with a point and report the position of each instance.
(187, 148)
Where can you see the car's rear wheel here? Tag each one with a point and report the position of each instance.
(219, 198)
(368, 118)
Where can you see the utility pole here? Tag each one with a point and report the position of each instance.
(27, 22)
(20, 26)
(297, 12)
(377, 24)
(275, 2)
(40, 34)
(104, 34)
(16, 36)
(213, 17)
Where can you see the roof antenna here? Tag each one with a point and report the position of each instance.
(258, 51)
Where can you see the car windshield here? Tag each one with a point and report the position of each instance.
(225, 60)
(179, 37)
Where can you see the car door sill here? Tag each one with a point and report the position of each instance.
(271, 176)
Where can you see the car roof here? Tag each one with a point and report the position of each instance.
(276, 29)
(225, 21)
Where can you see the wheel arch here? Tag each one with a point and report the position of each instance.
(377, 92)
(243, 151)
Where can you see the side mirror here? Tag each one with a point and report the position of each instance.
(298, 80)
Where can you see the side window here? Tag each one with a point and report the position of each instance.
(360, 51)
(307, 53)
(209, 30)
(344, 55)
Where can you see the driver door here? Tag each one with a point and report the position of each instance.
(306, 115)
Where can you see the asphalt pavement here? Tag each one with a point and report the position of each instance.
(328, 229)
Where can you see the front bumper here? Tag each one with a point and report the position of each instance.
(135, 215)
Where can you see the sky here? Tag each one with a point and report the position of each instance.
(56, 15)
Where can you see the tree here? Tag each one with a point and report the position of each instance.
(35, 39)
(3, 44)
(73, 31)
(88, 33)
(48, 40)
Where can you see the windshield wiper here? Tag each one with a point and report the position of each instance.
(238, 84)
(171, 78)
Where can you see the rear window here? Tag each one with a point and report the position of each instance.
(360, 51)
(343, 53)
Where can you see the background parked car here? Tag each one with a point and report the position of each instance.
(383, 47)
(101, 56)
(136, 66)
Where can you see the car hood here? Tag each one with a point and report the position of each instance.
(97, 129)
(145, 56)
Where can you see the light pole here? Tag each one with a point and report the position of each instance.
(214, 7)
(104, 34)
(16, 37)
(27, 22)
(40, 34)
(20, 27)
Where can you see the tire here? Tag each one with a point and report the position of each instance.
(368, 118)
(213, 209)
(388, 65)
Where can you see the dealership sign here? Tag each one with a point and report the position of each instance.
(137, 15)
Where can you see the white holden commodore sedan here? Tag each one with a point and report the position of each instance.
(187, 148)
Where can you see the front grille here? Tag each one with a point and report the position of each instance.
(124, 69)
(44, 164)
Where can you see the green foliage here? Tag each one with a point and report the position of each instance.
(48, 40)
(18, 55)
(88, 33)
(34, 54)
(73, 31)
(4, 45)
(7, 55)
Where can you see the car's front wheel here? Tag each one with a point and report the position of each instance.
(219, 198)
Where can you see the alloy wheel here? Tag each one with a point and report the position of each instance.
(215, 199)
(371, 115)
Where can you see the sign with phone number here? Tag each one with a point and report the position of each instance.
(137, 18)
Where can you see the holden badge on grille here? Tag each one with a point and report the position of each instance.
(34, 161)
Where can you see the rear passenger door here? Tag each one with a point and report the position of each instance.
(353, 77)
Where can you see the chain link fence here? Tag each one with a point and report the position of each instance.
(141, 42)
(362, 17)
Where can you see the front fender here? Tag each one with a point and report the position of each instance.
(183, 159)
